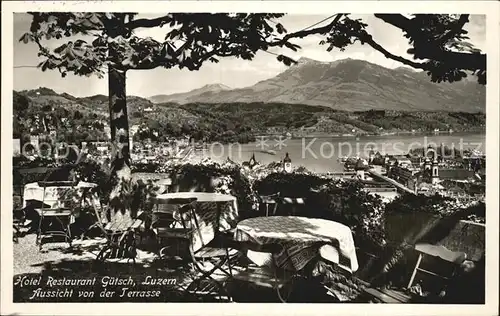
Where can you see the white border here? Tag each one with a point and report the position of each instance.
(490, 8)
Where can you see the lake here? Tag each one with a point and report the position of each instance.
(321, 154)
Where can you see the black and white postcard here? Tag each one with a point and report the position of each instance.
(300, 154)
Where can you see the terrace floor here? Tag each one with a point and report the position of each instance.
(58, 260)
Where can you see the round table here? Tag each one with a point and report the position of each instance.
(303, 239)
(51, 196)
(199, 196)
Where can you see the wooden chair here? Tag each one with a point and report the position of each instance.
(56, 221)
(293, 201)
(276, 199)
(18, 216)
(120, 245)
(211, 262)
(120, 241)
(267, 276)
(440, 252)
(270, 200)
(168, 234)
(455, 258)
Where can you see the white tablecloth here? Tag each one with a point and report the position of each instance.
(303, 239)
(55, 194)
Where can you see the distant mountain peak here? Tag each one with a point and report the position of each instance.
(184, 97)
(306, 59)
(214, 86)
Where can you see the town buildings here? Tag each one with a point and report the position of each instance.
(436, 172)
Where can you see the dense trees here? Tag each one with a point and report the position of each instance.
(228, 123)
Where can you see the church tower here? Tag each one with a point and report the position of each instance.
(360, 168)
(435, 171)
(427, 164)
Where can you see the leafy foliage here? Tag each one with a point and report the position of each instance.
(213, 177)
(349, 204)
(410, 203)
(438, 39)
(289, 185)
(191, 39)
(92, 171)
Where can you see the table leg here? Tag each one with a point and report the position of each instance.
(218, 216)
(415, 271)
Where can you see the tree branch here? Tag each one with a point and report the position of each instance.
(148, 23)
(397, 20)
(304, 33)
(468, 61)
(44, 50)
(196, 63)
(368, 39)
(464, 18)
(161, 61)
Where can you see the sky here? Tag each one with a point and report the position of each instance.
(232, 72)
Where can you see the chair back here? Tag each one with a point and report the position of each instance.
(452, 258)
(200, 234)
(267, 200)
(186, 213)
(441, 252)
(163, 213)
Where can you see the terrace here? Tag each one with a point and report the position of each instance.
(255, 210)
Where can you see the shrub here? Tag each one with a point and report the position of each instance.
(92, 171)
(289, 184)
(210, 176)
(351, 205)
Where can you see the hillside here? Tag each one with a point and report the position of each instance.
(302, 120)
(206, 91)
(43, 110)
(350, 85)
(85, 119)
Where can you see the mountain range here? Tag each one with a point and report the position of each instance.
(349, 85)
(185, 97)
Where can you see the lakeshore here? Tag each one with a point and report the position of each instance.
(322, 154)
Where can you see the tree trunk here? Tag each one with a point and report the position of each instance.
(120, 151)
